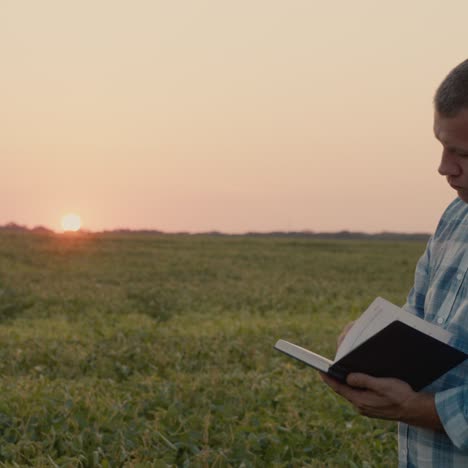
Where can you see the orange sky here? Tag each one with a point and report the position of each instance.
(238, 116)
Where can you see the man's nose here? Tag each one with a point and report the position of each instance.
(448, 164)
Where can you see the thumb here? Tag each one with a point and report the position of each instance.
(363, 381)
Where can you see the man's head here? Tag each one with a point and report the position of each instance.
(451, 128)
(452, 94)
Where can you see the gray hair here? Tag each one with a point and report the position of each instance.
(452, 94)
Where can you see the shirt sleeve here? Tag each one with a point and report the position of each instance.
(417, 296)
(452, 408)
(452, 404)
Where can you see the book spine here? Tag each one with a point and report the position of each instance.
(338, 373)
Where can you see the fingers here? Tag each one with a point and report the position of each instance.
(354, 381)
(341, 389)
(374, 397)
(364, 381)
(389, 387)
(330, 381)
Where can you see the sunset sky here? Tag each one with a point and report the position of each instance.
(235, 116)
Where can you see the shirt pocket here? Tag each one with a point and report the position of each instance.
(445, 302)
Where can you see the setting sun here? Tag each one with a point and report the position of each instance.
(71, 222)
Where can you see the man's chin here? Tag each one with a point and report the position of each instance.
(463, 195)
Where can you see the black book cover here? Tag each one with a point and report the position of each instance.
(401, 352)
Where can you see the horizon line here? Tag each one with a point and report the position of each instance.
(12, 226)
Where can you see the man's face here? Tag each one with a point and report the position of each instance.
(452, 132)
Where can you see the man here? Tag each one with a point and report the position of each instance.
(433, 423)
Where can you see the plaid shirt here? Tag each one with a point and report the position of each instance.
(440, 295)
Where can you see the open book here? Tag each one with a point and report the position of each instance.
(387, 341)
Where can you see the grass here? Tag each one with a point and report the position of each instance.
(156, 350)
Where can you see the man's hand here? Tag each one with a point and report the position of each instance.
(376, 398)
(387, 399)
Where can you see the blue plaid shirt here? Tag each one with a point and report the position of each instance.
(440, 295)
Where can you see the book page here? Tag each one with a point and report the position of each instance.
(304, 355)
(377, 316)
(367, 325)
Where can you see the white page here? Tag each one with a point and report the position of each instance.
(304, 355)
(379, 315)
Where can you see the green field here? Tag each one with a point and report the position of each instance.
(156, 350)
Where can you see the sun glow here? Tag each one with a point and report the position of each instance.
(71, 222)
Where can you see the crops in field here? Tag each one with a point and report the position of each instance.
(156, 350)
